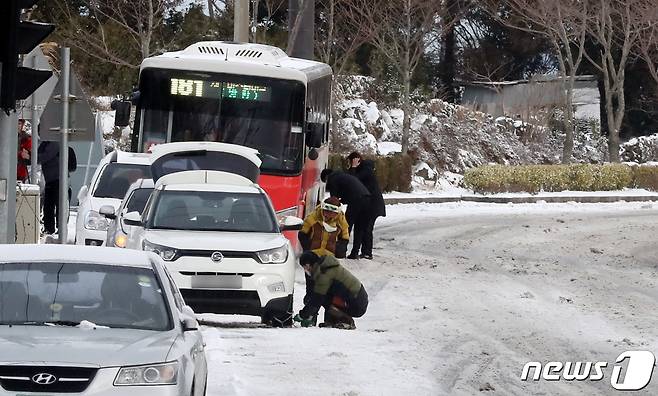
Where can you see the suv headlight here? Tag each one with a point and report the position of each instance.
(151, 374)
(96, 221)
(165, 252)
(273, 256)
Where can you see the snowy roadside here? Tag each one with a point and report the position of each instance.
(462, 296)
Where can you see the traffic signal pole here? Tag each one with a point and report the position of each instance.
(63, 212)
(8, 156)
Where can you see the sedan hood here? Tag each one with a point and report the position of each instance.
(208, 240)
(71, 345)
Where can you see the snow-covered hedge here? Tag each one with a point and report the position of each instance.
(577, 177)
(393, 171)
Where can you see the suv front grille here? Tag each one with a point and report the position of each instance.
(46, 379)
(208, 253)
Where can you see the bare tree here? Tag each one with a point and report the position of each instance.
(564, 24)
(402, 30)
(271, 7)
(98, 25)
(344, 32)
(339, 34)
(647, 47)
(616, 28)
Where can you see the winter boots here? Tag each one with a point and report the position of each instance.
(334, 317)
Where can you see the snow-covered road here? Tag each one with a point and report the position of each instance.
(462, 295)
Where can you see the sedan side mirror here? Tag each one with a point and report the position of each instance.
(108, 212)
(133, 219)
(291, 223)
(189, 320)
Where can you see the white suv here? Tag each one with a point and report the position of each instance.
(115, 173)
(217, 232)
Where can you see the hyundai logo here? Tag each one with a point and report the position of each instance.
(217, 257)
(44, 379)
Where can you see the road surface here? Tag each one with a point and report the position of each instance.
(462, 296)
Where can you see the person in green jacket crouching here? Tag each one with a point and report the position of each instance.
(332, 286)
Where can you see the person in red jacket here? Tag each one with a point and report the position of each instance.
(24, 152)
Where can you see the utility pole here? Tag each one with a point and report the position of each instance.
(301, 28)
(8, 146)
(35, 132)
(241, 21)
(63, 209)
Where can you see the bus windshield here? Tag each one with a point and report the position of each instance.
(262, 113)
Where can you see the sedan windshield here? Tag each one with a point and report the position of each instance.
(212, 211)
(117, 178)
(69, 293)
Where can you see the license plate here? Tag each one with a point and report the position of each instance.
(217, 281)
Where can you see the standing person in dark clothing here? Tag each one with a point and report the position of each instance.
(364, 170)
(357, 198)
(49, 160)
(332, 286)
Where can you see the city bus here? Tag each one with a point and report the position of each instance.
(247, 94)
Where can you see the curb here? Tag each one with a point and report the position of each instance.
(527, 199)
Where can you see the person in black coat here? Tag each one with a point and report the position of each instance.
(49, 160)
(357, 198)
(364, 170)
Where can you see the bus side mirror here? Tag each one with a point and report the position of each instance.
(121, 112)
(314, 134)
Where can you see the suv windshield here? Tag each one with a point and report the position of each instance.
(212, 211)
(116, 178)
(68, 293)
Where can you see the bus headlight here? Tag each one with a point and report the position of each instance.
(273, 256)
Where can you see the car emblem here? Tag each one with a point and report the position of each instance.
(217, 257)
(44, 379)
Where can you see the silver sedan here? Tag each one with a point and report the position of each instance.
(90, 321)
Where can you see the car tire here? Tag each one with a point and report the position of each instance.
(278, 318)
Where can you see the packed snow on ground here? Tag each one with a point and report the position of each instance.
(462, 295)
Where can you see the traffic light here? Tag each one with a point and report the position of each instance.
(19, 37)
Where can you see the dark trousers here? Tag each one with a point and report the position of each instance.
(51, 206)
(366, 247)
(357, 218)
(354, 306)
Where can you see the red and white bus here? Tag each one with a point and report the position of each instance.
(248, 94)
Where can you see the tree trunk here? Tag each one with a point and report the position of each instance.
(567, 151)
(406, 107)
(447, 66)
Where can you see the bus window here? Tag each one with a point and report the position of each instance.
(257, 112)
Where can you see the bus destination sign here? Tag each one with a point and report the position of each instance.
(219, 89)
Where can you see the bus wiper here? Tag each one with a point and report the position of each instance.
(69, 323)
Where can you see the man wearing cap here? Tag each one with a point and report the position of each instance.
(333, 287)
(325, 230)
